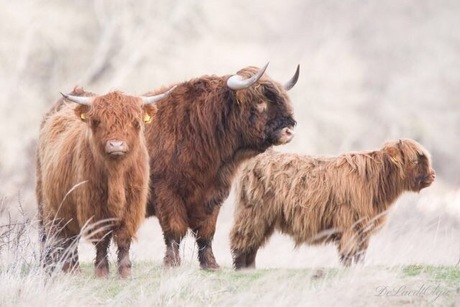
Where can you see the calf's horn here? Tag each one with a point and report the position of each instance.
(290, 84)
(153, 99)
(236, 82)
(79, 99)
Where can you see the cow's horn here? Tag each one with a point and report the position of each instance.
(153, 99)
(79, 99)
(290, 84)
(236, 82)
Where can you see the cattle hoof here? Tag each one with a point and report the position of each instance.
(210, 266)
(170, 265)
(240, 261)
(125, 272)
(102, 272)
(72, 268)
(171, 261)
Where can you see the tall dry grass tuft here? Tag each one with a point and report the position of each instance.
(23, 277)
(16, 247)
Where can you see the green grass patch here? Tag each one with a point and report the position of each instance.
(449, 274)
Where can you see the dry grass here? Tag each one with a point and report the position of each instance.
(312, 277)
(151, 286)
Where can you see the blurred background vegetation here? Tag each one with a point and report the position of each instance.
(370, 70)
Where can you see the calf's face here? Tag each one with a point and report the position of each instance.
(116, 123)
(415, 162)
(419, 168)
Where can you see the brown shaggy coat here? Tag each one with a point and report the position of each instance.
(80, 181)
(199, 136)
(314, 200)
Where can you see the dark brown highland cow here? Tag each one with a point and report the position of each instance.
(92, 166)
(342, 199)
(200, 135)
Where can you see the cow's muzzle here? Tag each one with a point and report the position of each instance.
(428, 179)
(116, 148)
(284, 136)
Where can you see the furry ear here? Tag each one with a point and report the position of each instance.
(149, 112)
(81, 111)
(394, 154)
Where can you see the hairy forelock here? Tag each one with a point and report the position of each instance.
(116, 109)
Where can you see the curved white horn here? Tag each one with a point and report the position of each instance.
(153, 99)
(236, 82)
(79, 99)
(290, 84)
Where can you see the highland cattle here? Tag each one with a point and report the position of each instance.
(315, 200)
(200, 135)
(92, 167)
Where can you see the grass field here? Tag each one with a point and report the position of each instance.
(151, 285)
(284, 277)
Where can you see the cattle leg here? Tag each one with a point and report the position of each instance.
(252, 253)
(173, 221)
(172, 257)
(39, 196)
(247, 238)
(124, 262)
(43, 239)
(348, 247)
(239, 259)
(245, 260)
(360, 255)
(70, 255)
(51, 243)
(204, 235)
(206, 255)
(102, 262)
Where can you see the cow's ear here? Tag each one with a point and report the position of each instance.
(149, 112)
(81, 112)
(394, 154)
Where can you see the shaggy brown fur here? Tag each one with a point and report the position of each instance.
(199, 136)
(80, 181)
(342, 199)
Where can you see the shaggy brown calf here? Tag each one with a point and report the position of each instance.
(342, 199)
(92, 166)
(199, 136)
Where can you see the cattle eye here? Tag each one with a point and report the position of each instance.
(261, 105)
(136, 124)
(95, 123)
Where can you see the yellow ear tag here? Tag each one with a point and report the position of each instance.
(147, 118)
(83, 116)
